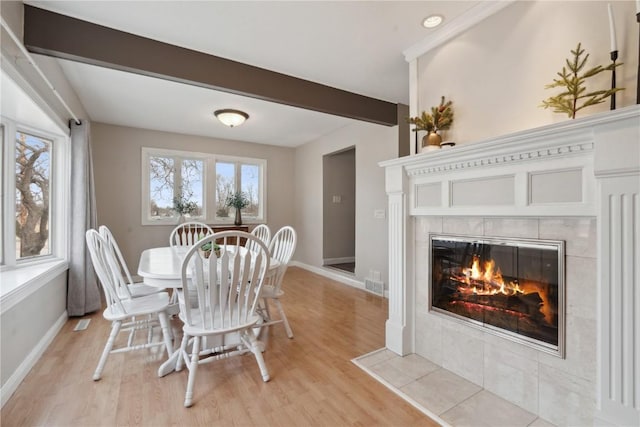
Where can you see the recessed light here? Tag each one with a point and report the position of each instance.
(432, 21)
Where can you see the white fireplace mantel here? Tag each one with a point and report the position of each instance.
(588, 167)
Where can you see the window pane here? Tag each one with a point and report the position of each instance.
(161, 184)
(192, 184)
(225, 185)
(250, 179)
(33, 170)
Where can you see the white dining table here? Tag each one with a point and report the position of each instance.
(162, 267)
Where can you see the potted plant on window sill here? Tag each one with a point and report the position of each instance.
(238, 201)
(183, 206)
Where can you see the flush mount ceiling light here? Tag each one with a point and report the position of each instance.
(231, 118)
(432, 21)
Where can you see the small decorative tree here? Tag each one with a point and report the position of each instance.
(574, 84)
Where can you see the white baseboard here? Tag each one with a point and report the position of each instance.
(29, 362)
(343, 260)
(335, 275)
(331, 274)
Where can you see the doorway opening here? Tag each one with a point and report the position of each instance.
(339, 210)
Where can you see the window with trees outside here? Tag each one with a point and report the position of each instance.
(29, 192)
(199, 185)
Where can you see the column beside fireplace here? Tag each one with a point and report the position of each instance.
(399, 326)
(617, 170)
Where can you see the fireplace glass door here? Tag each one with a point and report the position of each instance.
(511, 287)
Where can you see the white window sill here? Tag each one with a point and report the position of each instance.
(18, 283)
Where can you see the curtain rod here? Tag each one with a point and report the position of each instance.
(26, 53)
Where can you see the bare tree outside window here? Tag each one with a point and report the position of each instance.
(161, 173)
(174, 181)
(225, 186)
(33, 167)
(164, 185)
(192, 183)
(250, 175)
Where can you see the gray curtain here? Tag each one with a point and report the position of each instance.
(83, 295)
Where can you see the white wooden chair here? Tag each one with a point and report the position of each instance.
(188, 233)
(127, 287)
(282, 247)
(227, 300)
(123, 313)
(263, 233)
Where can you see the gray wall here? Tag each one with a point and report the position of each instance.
(117, 154)
(373, 143)
(25, 324)
(339, 221)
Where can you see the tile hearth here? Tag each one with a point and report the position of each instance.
(442, 395)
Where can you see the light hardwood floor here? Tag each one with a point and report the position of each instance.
(313, 381)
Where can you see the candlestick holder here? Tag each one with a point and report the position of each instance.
(614, 57)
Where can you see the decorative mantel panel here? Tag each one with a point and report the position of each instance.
(585, 168)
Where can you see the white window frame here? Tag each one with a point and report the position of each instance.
(58, 197)
(238, 161)
(209, 179)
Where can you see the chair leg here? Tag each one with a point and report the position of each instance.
(266, 308)
(284, 318)
(182, 351)
(132, 332)
(166, 332)
(257, 352)
(115, 329)
(149, 329)
(262, 310)
(193, 368)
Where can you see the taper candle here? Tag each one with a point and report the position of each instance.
(612, 29)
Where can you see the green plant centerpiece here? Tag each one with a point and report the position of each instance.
(441, 118)
(238, 201)
(572, 78)
(208, 247)
(182, 205)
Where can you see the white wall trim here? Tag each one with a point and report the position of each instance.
(29, 362)
(341, 260)
(460, 24)
(331, 274)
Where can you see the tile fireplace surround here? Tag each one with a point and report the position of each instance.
(576, 181)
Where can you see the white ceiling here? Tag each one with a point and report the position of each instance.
(351, 45)
(17, 105)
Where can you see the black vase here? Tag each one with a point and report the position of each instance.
(238, 220)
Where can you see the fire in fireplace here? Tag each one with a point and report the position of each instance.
(510, 287)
